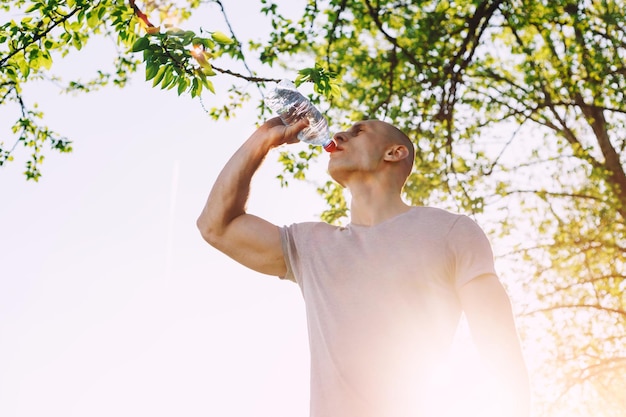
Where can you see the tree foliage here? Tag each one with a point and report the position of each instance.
(516, 107)
(28, 46)
(173, 58)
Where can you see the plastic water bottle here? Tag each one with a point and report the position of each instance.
(292, 106)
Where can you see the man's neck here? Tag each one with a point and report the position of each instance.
(369, 208)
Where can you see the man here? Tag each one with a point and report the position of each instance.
(384, 294)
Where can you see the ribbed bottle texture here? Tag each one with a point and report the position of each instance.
(291, 106)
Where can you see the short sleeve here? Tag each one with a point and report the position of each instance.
(473, 256)
(289, 251)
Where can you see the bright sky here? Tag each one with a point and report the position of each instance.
(110, 302)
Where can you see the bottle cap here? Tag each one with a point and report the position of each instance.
(330, 146)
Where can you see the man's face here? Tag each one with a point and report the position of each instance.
(359, 152)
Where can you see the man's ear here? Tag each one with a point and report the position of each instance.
(396, 153)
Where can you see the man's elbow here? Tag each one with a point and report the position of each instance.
(208, 231)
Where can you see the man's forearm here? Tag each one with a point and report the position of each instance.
(229, 195)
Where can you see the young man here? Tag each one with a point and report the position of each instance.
(384, 294)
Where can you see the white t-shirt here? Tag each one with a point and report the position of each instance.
(382, 306)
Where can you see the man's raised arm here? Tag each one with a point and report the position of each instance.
(224, 223)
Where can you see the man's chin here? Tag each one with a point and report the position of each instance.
(336, 175)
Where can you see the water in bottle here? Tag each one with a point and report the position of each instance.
(292, 106)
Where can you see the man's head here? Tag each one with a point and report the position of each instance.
(371, 148)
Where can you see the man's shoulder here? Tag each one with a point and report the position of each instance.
(440, 221)
(311, 226)
(435, 213)
(457, 225)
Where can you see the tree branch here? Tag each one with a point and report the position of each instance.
(239, 50)
(38, 36)
(373, 12)
(253, 79)
(617, 311)
(140, 15)
(331, 33)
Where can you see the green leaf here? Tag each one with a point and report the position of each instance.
(183, 83)
(159, 75)
(221, 37)
(93, 20)
(33, 7)
(151, 71)
(175, 31)
(208, 84)
(45, 60)
(196, 88)
(188, 37)
(168, 79)
(140, 44)
(77, 42)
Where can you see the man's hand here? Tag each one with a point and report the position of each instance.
(276, 133)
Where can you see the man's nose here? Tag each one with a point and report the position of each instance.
(340, 137)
